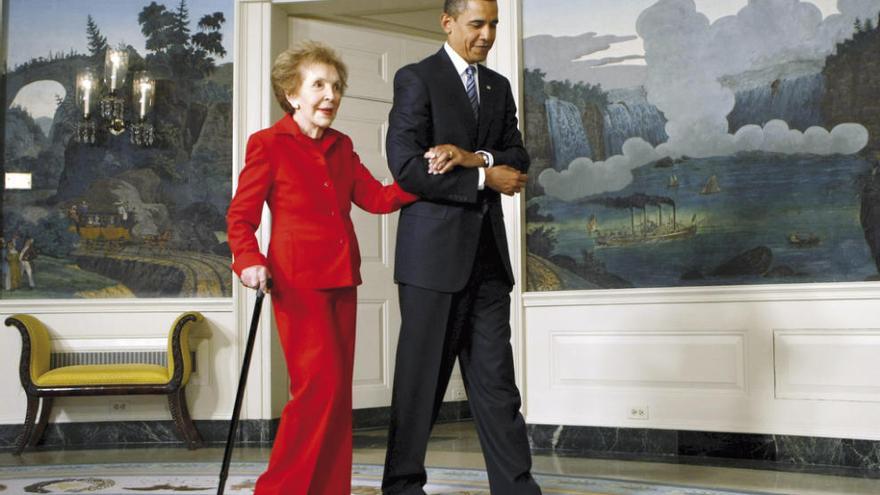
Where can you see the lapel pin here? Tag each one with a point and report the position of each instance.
(488, 87)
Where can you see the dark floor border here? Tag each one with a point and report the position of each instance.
(121, 434)
(782, 452)
(759, 451)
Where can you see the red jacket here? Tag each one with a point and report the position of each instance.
(309, 186)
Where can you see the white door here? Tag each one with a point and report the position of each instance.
(372, 58)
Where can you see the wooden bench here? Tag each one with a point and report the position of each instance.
(42, 384)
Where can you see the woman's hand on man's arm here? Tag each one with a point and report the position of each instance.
(444, 157)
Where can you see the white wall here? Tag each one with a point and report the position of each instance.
(91, 326)
(799, 360)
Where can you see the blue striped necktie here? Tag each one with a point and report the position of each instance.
(471, 88)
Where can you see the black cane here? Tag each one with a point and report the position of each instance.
(242, 382)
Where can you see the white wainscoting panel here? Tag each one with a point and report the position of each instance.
(839, 365)
(648, 360)
(792, 360)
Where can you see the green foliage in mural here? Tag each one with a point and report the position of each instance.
(187, 56)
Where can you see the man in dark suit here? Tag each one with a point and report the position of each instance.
(453, 141)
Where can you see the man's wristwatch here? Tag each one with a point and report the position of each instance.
(484, 156)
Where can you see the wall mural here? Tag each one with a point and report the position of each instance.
(117, 206)
(693, 143)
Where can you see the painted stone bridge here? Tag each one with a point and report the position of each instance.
(62, 70)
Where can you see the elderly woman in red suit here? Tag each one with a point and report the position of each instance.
(309, 175)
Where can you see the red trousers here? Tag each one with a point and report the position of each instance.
(312, 450)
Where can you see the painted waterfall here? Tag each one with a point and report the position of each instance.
(694, 142)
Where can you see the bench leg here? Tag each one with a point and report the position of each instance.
(180, 414)
(45, 411)
(29, 419)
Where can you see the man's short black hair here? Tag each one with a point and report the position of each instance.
(453, 8)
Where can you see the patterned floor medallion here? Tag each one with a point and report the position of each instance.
(70, 485)
(201, 479)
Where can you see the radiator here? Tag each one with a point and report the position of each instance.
(160, 358)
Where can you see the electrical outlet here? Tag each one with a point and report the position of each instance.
(638, 412)
(119, 407)
(459, 394)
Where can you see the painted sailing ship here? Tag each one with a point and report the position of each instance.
(711, 186)
(593, 225)
(673, 182)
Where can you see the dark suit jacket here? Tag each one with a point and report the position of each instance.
(437, 236)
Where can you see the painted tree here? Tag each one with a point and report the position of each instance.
(541, 241)
(179, 29)
(155, 21)
(209, 40)
(97, 42)
(533, 81)
(172, 46)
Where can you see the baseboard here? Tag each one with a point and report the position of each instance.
(784, 452)
(122, 434)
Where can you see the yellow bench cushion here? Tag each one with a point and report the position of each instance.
(104, 374)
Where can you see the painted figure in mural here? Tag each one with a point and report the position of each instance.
(82, 215)
(309, 175)
(14, 260)
(4, 271)
(27, 255)
(122, 212)
(73, 215)
(452, 264)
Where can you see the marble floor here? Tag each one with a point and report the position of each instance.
(455, 445)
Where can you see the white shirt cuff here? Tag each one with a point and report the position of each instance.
(481, 181)
(490, 159)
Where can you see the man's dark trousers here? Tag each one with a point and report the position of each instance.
(477, 331)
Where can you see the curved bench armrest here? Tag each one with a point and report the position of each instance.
(35, 348)
(179, 358)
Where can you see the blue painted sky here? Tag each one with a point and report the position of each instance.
(572, 17)
(37, 27)
(618, 17)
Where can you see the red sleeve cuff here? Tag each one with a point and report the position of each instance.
(405, 197)
(247, 260)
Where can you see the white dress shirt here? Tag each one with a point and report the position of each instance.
(461, 66)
